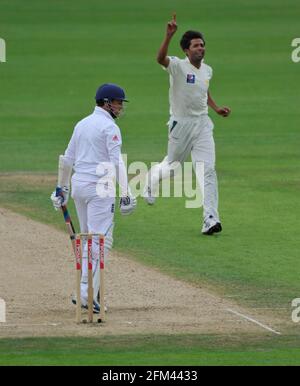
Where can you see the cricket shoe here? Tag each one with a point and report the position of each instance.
(96, 307)
(210, 226)
(148, 195)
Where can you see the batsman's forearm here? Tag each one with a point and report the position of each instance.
(163, 50)
(122, 178)
(121, 173)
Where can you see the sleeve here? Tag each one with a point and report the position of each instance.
(113, 138)
(114, 143)
(210, 72)
(173, 65)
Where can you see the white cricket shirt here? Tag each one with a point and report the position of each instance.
(188, 88)
(96, 139)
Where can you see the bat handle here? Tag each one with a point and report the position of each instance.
(59, 192)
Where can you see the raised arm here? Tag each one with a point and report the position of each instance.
(162, 57)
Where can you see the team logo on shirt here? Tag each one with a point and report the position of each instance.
(190, 78)
(115, 138)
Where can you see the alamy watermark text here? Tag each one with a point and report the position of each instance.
(296, 51)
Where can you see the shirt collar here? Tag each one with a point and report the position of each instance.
(100, 110)
(188, 61)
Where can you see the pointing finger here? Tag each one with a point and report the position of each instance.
(174, 17)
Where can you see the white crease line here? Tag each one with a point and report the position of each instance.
(254, 321)
(29, 324)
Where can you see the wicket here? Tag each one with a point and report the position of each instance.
(78, 253)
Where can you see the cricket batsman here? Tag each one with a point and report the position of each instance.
(94, 153)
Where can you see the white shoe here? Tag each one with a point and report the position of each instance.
(96, 306)
(148, 196)
(211, 226)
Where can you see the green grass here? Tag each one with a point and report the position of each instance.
(151, 350)
(57, 55)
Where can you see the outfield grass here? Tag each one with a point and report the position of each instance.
(150, 350)
(57, 56)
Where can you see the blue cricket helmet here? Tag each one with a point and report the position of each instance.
(110, 91)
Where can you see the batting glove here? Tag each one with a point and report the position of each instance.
(60, 197)
(127, 205)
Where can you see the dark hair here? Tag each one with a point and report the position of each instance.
(188, 36)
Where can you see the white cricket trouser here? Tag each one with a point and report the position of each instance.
(195, 137)
(95, 215)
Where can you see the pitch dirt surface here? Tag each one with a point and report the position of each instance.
(37, 277)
